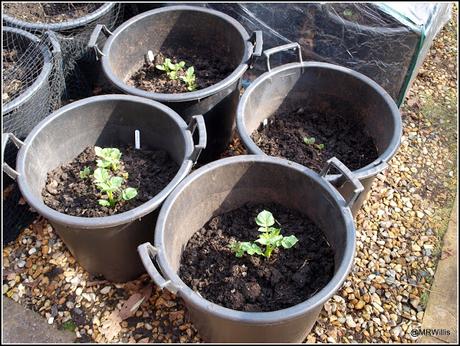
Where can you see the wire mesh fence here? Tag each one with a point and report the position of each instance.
(33, 79)
(73, 23)
(32, 87)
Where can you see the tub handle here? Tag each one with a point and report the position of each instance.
(358, 187)
(198, 122)
(284, 47)
(13, 174)
(148, 252)
(257, 44)
(95, 36)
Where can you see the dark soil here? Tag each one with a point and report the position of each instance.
(364, 14)
(12, 84)
(149, 172)
(253, 283)
(49, 12)
(341, 136)
(209, 70)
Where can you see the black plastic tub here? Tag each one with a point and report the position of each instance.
(184, 26)
(228, 184)
(316, 84)
(104, 245)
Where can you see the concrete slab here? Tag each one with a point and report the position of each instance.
(441, 311)
(21, 325)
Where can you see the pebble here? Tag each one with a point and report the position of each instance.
(106, 290)
(416, 248)
(360, 305)
(350, 322)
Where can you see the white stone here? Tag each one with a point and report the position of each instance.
(106, 289)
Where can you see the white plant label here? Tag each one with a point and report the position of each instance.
(137, 139)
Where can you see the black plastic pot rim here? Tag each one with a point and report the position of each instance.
(367, 171)
(41, 78)
(182, 97)
(105, 221)
(376, 29)
(70, 24)
(271, 317)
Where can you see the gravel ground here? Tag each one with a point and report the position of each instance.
(399, 242)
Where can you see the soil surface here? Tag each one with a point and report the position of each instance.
(49, 12)
(149, 172)
(209, 70)
(12, 85)
(253, 283)
(284, 135)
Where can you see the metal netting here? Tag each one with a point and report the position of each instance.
(73, 23)
(32, 87)
(33, 80)
(383, 41)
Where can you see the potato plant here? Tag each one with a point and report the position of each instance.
(176, 71)
(106, 179)
(172, 70)
(311, 141)
(270, 237)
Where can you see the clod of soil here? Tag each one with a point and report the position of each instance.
(149, 172)
(253, 283)
(209, 70)
(334, 135)
(49, 12)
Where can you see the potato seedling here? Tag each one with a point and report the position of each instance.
(172, 70)
(85, 173)
(270, 237)
(111, 186)
(109, 157)
(190, 78)
(175, 71)
(311, 141)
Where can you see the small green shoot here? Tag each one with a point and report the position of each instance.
(190, 78)
(85, 173)
(311, 141)
(270, 237)
(109, 157)
(172, 70)
(239, 248)
(320, 146)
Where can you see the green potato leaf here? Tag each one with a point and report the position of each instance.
(265, 219)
